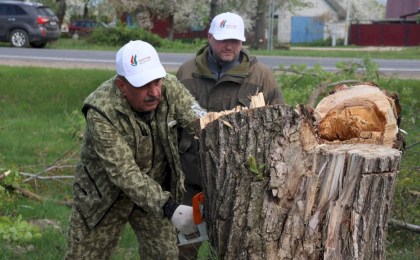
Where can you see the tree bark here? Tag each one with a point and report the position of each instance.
(260, 24)
(171, 23)
(213, 9)
(86, 10)
(61, 11)
(274, 191)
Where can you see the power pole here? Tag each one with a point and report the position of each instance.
(346, 33)
(270, 26)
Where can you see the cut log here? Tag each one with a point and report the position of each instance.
(275, 190)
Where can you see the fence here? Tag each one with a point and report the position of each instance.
(385, 34)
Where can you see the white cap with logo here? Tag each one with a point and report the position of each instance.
(139, 63)
(227, 26)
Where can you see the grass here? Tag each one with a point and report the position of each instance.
(53, 241)
(38, 126)
(36, 112)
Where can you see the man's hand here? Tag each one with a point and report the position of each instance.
(183, 220)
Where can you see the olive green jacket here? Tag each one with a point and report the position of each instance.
(232, 89)
(115, 154)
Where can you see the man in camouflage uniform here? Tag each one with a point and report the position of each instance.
(129, 169)
(221, 76)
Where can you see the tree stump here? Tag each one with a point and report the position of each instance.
(275, 190)
(361, 112)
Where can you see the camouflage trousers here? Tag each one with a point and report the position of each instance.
(156, 236)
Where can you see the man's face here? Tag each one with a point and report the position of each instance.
(141, 99)
(225, 50)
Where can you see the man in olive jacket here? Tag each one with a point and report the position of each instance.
(129, 169)
(221, 76)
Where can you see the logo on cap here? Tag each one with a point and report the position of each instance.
(224, 24)
(133, 60)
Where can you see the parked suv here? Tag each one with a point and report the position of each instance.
(23, 24)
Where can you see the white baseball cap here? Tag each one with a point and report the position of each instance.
(227, 26)
(139, 63)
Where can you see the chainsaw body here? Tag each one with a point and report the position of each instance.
(201, 235)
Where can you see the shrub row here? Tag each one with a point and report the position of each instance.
(120, 35)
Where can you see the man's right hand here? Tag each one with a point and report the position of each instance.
(183, 220)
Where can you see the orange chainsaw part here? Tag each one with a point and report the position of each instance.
(197, 202)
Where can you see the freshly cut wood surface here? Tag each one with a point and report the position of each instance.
(256, 101)
(357, 114)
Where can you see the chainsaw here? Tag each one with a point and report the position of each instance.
(201, 234)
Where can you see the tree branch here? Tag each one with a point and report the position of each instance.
(402, 224)
(296, 72)
(36, 176)
(27, 193)
(4, 175)
(58, 164)
(34, 196)
(412, 145)
(414, 193)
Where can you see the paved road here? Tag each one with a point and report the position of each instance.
(171, 61)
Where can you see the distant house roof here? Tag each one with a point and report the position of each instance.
(410, 14)
(341, 13)
(402, 9)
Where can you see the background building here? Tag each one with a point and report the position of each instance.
(400, 27)
(324, 19)
(396, 9)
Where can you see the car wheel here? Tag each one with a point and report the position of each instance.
(38, 44)
(19, 38)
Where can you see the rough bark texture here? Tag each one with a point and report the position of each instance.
(272, 192)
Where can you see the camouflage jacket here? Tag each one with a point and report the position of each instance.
(114, 155)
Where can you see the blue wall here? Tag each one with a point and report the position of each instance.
(306, 29)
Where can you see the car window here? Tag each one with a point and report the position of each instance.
(11, 10)
(2, 9)
(19, 10)
(45, 11)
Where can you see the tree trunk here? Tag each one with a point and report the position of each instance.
(260, 24)
(213, 9)
(61, 11)
(274, 190)
(86, 10)
(171, 19)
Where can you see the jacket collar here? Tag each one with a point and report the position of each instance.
(202, 66)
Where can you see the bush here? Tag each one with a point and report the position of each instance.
(120, 36)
